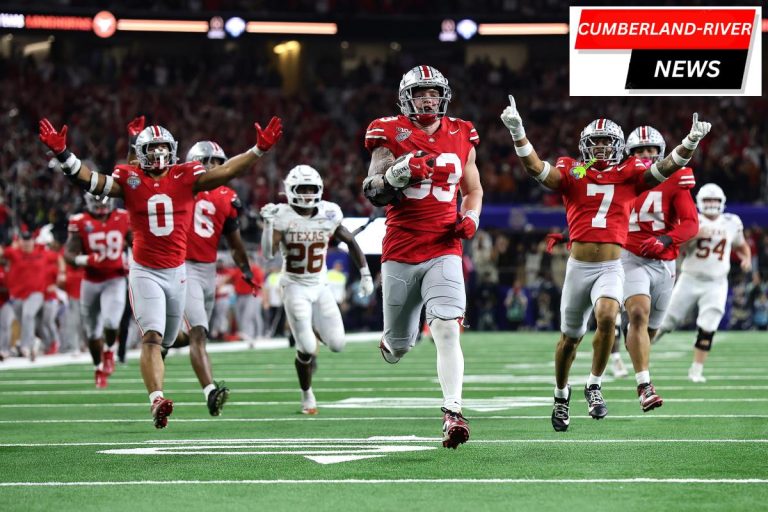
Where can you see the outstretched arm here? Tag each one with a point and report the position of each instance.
(97, 184)
(681, 155)
(235, 166)
(541, 171)
(358, 256)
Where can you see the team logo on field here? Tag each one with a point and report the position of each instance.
(133, 181)
(402, 133)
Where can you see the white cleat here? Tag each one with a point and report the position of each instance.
(696, 377)
(618, 369)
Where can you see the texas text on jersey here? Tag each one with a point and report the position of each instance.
(305, 241)
(419, 227)
(161, 212)
(597, 205)
(104, 238)
(212, 209)
(660, 211)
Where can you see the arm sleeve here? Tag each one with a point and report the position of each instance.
(687, 218)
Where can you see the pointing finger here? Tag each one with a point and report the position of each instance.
(512, 101)
(695, 117)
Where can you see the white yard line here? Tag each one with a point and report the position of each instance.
(358, 481)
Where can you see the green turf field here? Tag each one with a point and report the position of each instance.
(375, 444)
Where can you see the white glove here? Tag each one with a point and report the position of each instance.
(512, 120)
(366, 283)
(699, 129)
(399, 173)
(269, 211)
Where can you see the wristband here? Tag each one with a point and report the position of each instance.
(689, 144)
(656, 174)
(70, 164)
(517, 133)
(542, 176)
(256, 151)
(365, 272)
(679, 160)
(81, 260)
(472, 214)
(525, 150)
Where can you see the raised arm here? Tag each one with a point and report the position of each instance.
(541, 171)
(681, 155)
(358, 256)
(235, 166)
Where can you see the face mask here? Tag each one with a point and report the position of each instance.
(162, 156)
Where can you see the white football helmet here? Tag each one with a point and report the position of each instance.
(205, 152)
(98, 207)
(599, 128)
(303, 175)
(710, 191)
(423, 77)
(643, 136)
(156, 159)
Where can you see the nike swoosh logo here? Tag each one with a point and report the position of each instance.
(453, 132)
(177, 176)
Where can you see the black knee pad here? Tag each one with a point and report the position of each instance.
(704, 340)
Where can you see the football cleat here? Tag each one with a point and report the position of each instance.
(618, 369)
(53, 348)
(594, 396)
(696, 376)
(108, 358)
(308, 403)
(101, 379)
(217, 398)
(560, 412)
(455, 429)
(387, 354)
(161, 408)
(648, 398)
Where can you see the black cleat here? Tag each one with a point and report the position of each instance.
(455, 429)
(217, 398)
(594, 396)
(560, 416)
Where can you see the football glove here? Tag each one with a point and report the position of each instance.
(268, 137)
(56, 141)
(512, 120)
(555, 238)
(136, 126)
(466, 225)
(248, 278)
(699, 129)
(653, 246)
(269, 211)
(410, 168)
(366, 283)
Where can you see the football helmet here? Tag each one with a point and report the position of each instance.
(98, 207)
(710, 191)
(206, 152)
(643, 136)
(153, 158)
(602, 128)
(303, 175)
(418, 78)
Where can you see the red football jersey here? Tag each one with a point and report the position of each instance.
(160, 212)
(75, 276)
(51, 274)
(668, 209)
(243, 288)
(212, 208)
(420, 226)
(28, 272)
(105, 238)
(597, 205)
(3, 286)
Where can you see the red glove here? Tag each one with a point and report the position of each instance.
(653, 247)
(268, 137)
(421, 165)
(56, 141)
(136, 126)
(248, 278)
(553, 239)
(466, 225)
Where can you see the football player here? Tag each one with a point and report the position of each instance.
(216, 213)
(598, 192)
(420, 160)
(660, 221)
(704, 273)
(302, 229)
(159, 196)
(97, 241)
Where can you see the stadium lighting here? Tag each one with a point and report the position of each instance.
(522, 29)
(466, 28)
(235, 26)
(289, 27)
(162, 26)
(287, 47)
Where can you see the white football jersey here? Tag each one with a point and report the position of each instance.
(708, 254)
(304, 243)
